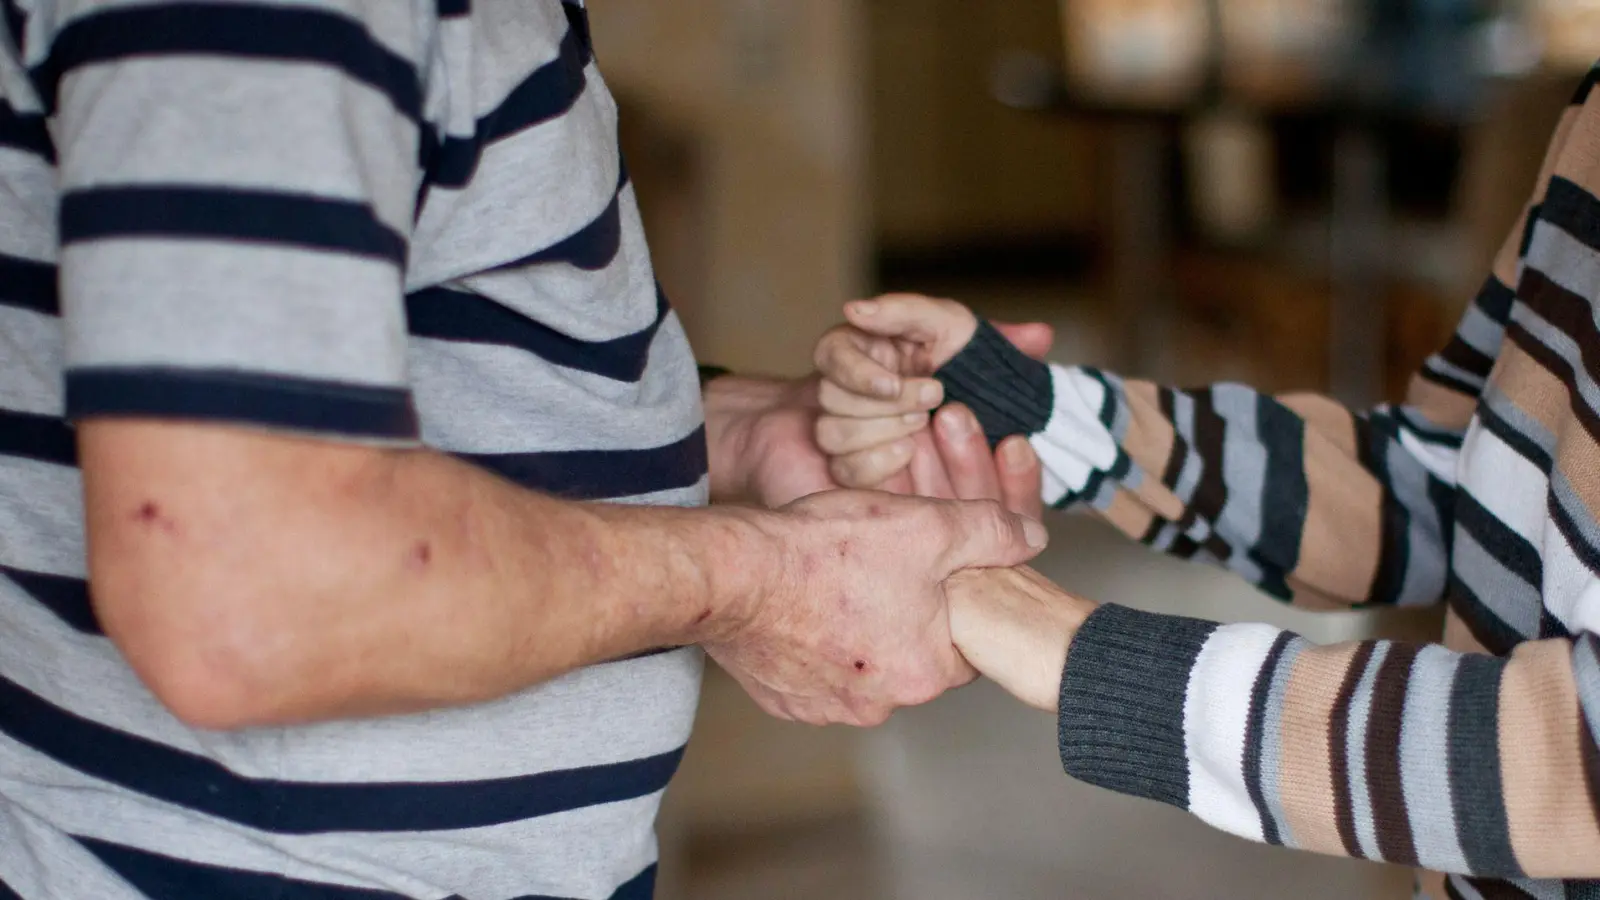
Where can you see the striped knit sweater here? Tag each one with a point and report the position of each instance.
(1478, 757)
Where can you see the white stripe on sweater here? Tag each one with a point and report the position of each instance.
(1216, 714)
(1505, 482)
(1073, 443)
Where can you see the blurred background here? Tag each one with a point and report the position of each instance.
(1299, 194)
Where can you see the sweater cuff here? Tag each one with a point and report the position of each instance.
(1009, 392)
(1122, 700)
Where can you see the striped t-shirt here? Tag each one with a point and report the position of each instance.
(1478, 757)
(379, 221)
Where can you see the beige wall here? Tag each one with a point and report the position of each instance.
(763, 96)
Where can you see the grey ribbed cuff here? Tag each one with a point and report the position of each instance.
(1122, 696)
(1009, 392)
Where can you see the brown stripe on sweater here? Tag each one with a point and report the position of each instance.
(1552, 824)
(1578, 455)
(1149, 443)
(1578, 458)
(1544, 396)
(1386, 789)
(1343, 523)
(1305, 765)
(1442, 406)
(1338, 751)
(1581, 415)
(1535, 390)
(1128, 515)
(1326, 417)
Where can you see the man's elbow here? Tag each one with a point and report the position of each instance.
(197, 650)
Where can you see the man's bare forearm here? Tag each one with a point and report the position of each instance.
(262, 580)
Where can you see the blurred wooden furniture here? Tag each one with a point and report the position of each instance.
(1198, 64)
(957, 181)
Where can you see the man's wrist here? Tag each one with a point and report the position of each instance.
(737, 561)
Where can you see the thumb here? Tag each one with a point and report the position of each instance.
(1033, 338)
(942, 327)
(986, 535)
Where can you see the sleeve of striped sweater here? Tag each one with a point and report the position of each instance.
(1460, 763)
(1309, 502)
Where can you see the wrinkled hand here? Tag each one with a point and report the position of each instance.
(877, 390)
(857, 624)
(1015, 627)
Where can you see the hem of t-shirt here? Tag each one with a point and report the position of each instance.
(276, 402)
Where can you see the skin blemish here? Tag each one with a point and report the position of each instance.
(861, 665)
(844, 549)
(421, 555)
(704, 615)
(875, 511)
(149, 514)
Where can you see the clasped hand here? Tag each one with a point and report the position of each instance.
(1011, 624)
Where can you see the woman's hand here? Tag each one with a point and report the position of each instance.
(877, 385)
(1015, 627)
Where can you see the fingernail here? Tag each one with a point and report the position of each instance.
(898, 449)
(864, 307)
(955, 423)
(1017, 455)
(886, 386)
(1035, 534)
(914, 418)
(929, 394)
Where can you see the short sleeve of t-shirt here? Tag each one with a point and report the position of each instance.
(237, 185)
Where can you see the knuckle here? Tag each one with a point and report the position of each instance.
(826, 350)
(991, 514)
(832, 397)
(854, 470)
(984, 521)
(843, 470)
(831, 434)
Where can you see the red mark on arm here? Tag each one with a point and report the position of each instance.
(149, 515)
(861, 665)
(421, 555)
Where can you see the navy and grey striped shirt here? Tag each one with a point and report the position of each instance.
(381, 221)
